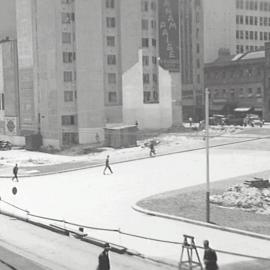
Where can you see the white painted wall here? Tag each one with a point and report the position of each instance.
(152, 116)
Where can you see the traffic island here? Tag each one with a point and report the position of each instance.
(190, 203)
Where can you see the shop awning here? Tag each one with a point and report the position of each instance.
(244, 109)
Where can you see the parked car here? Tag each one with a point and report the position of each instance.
(218, 119)
(5, 145)
(253, 120)
(234, 120)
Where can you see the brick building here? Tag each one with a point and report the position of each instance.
(237, 81)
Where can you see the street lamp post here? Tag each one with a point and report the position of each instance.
(207, 154)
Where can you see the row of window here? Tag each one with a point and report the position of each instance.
(150, 96)
(68, 18)
(248, 48)
(253, 5)
(252, 20)
(146, 41)
(145, 24)
(110, 4)
(146, 61)
(147, 5)
(252, 35)
(69, 96)
(245, 73)
(249, 92)
(146, 78)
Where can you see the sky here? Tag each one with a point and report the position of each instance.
(7, 18)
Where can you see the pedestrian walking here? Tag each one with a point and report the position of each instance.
(103, 258)
(210, 257)
(15, 173)
(152, 149)
(107, 165)
(190, 120)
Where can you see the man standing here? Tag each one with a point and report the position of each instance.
(152, 149)
(210, 257)
(103, 258)
(107, 165)
(15, 173)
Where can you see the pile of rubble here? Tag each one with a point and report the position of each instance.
(253, 196)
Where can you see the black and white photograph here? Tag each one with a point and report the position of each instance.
(134, 134)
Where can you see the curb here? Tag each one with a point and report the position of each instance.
(200, 223)
(91, 240)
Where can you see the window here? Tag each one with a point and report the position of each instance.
(246, 19)
(146, 96)
(109, 3)
(237, 34)
(66, 37)
(265, 35)
(112, 97)
(110, 41)
(3, 101)
(145, 60)
(145, 24)
(67, 76)
(198, 78)
(68, 96)
(68, 120)
(155, 78)
(153, 5)
(67, 57)
(67, 17)
(259, 91)
(111, 59)
(154, 60)
(67, 1)
(246, 33)
(198, 63)
(153, 24)
(154, 42)
(198, 48)
(110, 22)
(145, 42)
(144, 5)
(111, 78)
(146, 78)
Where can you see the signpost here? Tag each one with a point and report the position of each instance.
(207, 154)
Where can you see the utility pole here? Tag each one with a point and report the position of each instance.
(207, 154)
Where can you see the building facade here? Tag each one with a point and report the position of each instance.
(238, 25)
(86, 64)
(9, 89)
(237, 81)
(192, 58)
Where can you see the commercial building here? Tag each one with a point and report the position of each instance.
(238, 25)
(86, 64)
(237, 81)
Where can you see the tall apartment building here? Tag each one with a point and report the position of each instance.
(9, 90)
(84, 64)
(239, 25)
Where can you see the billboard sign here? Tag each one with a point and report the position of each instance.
(169, 34)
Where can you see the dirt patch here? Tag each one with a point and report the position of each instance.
(190, 203)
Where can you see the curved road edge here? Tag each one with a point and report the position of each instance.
(200, 223)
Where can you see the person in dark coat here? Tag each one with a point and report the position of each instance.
(107, 165)
(152, 149)
(103, 258)
(15, 173)
(210, 257)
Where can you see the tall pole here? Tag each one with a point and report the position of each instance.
(207, 155)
